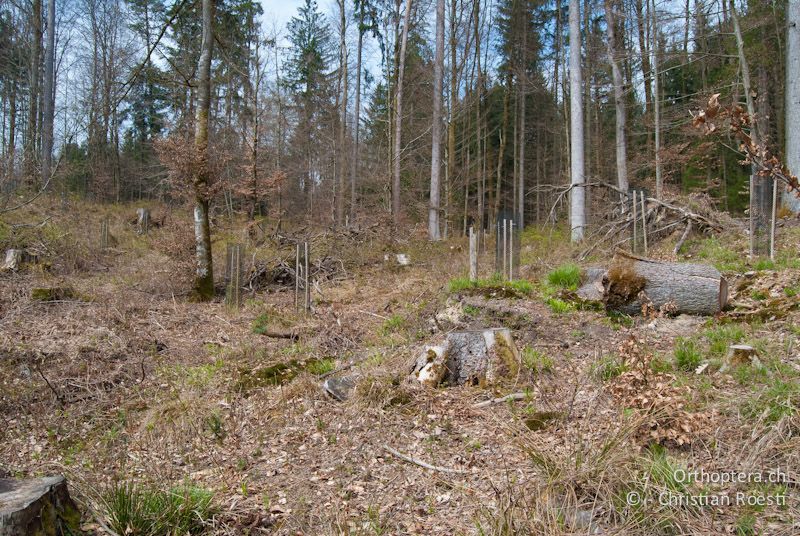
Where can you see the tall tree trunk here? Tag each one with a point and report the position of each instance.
(619, 98)
(792, 107)
(340, 195)
(523, 79)
(49, 92)
(451, 119)
(204, 276)
(656, 102)
(436, 129)
(356, 113)
(33, 93)
(577, 194)
(398, 115)
(644, 53)
(758, 218)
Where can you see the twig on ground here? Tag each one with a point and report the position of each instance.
(500, 400)
(415, 461)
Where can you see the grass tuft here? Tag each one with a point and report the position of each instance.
(687, 356)
(566, 276)
(136, 510)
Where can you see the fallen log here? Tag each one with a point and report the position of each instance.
(634, 284)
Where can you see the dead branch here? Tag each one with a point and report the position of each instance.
(415, 461)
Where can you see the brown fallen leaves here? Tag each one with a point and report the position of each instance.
(670, 420)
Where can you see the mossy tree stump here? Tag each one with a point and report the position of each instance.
(37, 506)
(477, 357)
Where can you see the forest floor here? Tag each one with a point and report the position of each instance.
(127, 380)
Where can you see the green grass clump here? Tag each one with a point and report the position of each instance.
(559, 306)
(720, 255)
(536, 361)
(392, 324)
(780, 399)
(687, 356)
(608, 368)
(566, 276)
(261, 324)
(136, 510)
(721, 337)
(321, 366)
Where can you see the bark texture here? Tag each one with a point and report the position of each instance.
(577, 195)
(478, 357)
(632, 284)
(37, 506)
(792, 123)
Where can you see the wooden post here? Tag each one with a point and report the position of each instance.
(308, 280)
(511, 224)
(505, 246)
(104, 233)
(644, 222)
(473, 255)
(297, 271)
(233, 275)
(635, 219)
(143, 220)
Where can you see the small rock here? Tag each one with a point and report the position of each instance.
(340, 388)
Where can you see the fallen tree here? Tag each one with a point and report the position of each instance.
(636, 285)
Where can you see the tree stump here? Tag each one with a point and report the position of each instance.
(37, 506)
(16, 259)
(477, 357)
(633, 283)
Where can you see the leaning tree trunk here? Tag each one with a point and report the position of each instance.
(398, 116)
(633, 285)
(204, 276)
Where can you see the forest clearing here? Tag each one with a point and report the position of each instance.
(125, 382)
(458, 267)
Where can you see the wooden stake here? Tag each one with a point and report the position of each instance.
(635, 219)
(308, 287)
(511, 250)
(505, 244)
(473, 255)
(297, 278)
(644, 222)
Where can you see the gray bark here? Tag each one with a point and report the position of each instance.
(478, 357)
(757, 219)
(48, 93)
(340, 193)
(357, 114)
(619, 99)
(675, 288)
(398, 116)
(577, 195)
(792, 123)
(204, 276)
(436, 129)
(37, 506)
(656, 101)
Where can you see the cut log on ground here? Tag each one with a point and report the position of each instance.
(633, 285)
(478, 357)
(37, 506)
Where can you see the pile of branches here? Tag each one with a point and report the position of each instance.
(282, 272)
(695, 213)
